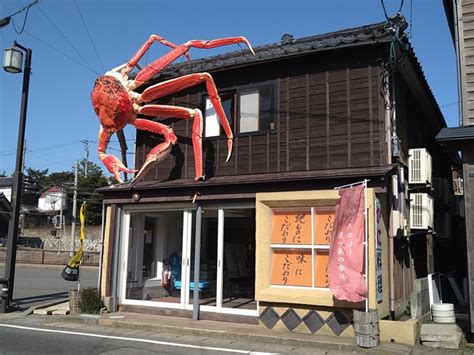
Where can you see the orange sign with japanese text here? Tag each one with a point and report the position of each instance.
(323, 224)
(321, 269)
(291, 227)
(291, 267)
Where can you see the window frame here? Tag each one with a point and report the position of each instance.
(235, 91)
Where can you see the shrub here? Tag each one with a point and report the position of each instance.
(90, 301)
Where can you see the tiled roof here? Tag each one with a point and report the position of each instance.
(369, 34)
(456, 134)
(6, 182)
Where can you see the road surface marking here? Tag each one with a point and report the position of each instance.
(157, 342)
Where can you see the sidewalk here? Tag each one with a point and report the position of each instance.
(134, 322)
(251, 333)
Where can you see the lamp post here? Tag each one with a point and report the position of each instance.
(12, 62)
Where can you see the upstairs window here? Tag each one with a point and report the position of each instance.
(248, 110)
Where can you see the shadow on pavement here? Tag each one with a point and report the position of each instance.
(28, 301)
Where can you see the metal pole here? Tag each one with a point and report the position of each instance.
(86, 155)
(74, 210)
(116, 261)
(102, 236)
(10, 260)
(61, 234)
(366, 248)
(197, 259)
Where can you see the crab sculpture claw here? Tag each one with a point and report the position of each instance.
(115, 166)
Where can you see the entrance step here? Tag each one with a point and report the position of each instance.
(446, 336)
(59, 309)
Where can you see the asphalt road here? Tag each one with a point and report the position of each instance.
(48, 335)
(35, 284)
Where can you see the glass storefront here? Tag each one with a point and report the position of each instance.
(159, 249)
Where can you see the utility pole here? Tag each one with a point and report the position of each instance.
(74, 209)
(7, 282)
(61, 234)
(24, 157)
(86, 154)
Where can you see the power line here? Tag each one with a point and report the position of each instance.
(67, 40)
(6, 152)
(90, 37)
(24, 22)
(62, 53)
(6, 20)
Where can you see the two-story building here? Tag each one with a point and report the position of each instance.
(308, 115)
(460, 16)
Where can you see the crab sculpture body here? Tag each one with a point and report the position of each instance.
(117, 104)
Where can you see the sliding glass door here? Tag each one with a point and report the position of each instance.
(158, 259)
(228, 261)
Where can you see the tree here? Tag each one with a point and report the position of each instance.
(35, 180)
(38, 180)
(87, 186)
(62, 178)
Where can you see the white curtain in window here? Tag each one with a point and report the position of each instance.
(249, 108)
(212, 128)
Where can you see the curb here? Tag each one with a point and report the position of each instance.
(43, 305)
(48, 266)
(279, 338)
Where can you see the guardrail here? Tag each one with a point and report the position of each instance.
(50, 257)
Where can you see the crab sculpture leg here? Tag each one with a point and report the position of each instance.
(162, 89)
(139, 105)
(168, 87)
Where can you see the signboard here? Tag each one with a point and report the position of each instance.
(299, 257)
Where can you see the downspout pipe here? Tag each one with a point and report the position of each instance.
(458, 63)
(389, 124)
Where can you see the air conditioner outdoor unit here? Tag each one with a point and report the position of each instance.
(421, 211)
(419, 166)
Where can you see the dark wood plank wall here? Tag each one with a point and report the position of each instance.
(328, 115)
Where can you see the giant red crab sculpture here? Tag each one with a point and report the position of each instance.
(117, 104)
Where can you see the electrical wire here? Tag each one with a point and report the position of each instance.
(62, 53)
(67, 40)
(24, 21)
(90, 37)
(411, 19)
(385, 9)
(40, 149)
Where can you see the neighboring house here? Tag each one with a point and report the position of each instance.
(308, 115)
(43, 209)
(460, 15)
(6, 184)
(52, 199)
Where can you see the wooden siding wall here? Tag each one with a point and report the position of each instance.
(328, 115)
(417, 130)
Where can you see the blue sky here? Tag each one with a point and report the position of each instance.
(59, 110)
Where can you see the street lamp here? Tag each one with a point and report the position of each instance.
(12, 62)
